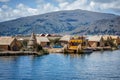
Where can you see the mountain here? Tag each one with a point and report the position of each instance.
(103, 26)
(69, 21)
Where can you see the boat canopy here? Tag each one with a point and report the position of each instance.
(76, 41)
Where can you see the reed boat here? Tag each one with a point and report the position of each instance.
(78, 45)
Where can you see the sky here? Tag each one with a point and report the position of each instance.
(12, 9)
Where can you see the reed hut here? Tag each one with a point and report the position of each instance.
(32, 44)
(43, 41)
(95, 41)
(9, 43)
(115, 39)
(65, 39)
(107, 39)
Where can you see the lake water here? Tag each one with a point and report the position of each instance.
(94, 66)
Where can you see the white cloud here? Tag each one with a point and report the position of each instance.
(48, 8)
(63, 6)
(21, 10)
(104, 1)
(4, 0)
(44, 7)
(7, 13)
(61, 1)
(78, 4)
(92, 5)
(4, 7)
(111, 5)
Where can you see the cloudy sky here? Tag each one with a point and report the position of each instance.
(12, 9)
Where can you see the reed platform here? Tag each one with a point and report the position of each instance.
(17, 53)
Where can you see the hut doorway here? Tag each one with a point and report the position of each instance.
(15, 48)
(98, 43)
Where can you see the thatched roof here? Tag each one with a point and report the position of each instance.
(6, 40)
(114, 36)
(33, 37)
(42, 39)
(106, 37)
(95, 38)
(65, 38)
(32, 40)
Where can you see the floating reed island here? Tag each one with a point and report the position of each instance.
(85, 44)
(10, 46)
(40, 44)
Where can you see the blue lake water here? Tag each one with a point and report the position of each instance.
(94, 66)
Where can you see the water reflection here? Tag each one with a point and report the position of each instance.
(94, 66)
(75, 55)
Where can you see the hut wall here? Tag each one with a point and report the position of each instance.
(43, 44)
(4, 47)
(101, 43)
(15, 45)
(119, 41)
(92, 43)
(63, 42)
